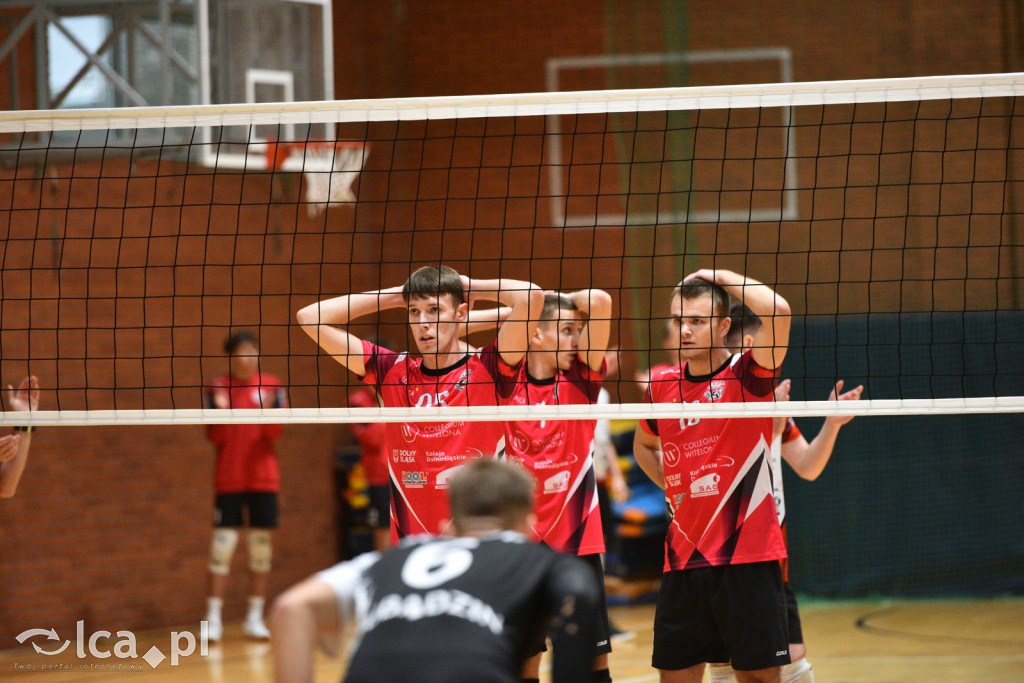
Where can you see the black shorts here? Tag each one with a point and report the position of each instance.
(732, 613)
(796, 632)
(378, 515)
(261, 506)
(603, 644)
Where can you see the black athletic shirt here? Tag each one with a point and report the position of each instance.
(465, 609)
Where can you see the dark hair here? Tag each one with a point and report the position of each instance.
(238, 338)
(430, 281)
(490, 489)
(553, 303)
(695, 288)
(743, 322)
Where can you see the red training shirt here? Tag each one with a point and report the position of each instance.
(246, 460)
(718, 476)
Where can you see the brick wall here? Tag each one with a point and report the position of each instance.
(144, 276)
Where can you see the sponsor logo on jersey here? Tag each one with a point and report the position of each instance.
(670, 453)
(414, 480)
(715, 391)
(557, 483)
(522, 443)
(409, 432)
(403, 455)
(445, 477)
(673, 479)
(705, 486)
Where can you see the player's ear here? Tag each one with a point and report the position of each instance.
(724, 326)
(462, 311)
(748, 342)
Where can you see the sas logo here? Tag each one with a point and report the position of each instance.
(443, 478)
(715, 391)
(414, 480)
(705, 486)
(557, 483)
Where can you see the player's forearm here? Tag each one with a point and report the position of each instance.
(507, 292)
(342, 309)
(810, 461)
(295, 631)
(772, 338)
(11, 471)
(649, 460)
(597, 304)
(479, 320)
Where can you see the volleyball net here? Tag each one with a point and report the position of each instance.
(887, 212)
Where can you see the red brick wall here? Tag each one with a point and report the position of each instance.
(111, 524)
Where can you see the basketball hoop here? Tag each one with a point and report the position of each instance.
(329, 170)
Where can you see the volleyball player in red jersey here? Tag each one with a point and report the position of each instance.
(247, 476)
(721, 597)
(808, 459)
(565, 365)
(423, 456)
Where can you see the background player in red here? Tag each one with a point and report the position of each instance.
(721, 596)
(457, 610)
(370, 436)
(808, 460)
(14, 447)
(565, 366)
(247, 477)
(423, 457)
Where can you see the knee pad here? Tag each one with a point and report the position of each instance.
(222, 549)
(721, 674)
(259, 550)
(798, 672)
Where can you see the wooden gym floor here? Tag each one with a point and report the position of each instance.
(848, 642)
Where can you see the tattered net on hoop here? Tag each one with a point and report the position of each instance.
(329, 169)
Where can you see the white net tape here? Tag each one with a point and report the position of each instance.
(625, 411)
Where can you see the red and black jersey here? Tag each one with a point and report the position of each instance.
(718, 477)
(245, 452)
(560, 455)
(423, 456)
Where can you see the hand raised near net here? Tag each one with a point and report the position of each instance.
(26, 396)
(9, 447)
(851, 395)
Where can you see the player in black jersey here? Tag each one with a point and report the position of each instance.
(449, 609)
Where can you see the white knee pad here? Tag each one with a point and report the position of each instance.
(259, 550)
(721, 674)
(222, 549)
(798, 672)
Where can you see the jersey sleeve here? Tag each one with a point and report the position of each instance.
(587, 379)
(503, 374)
(791, 431)
(377, 361)
(574, 599)
(346, 580)
(755, 379)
